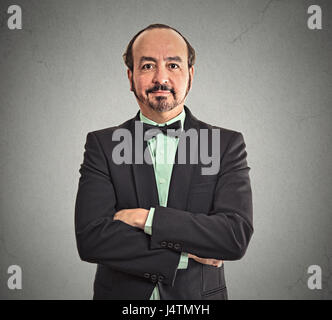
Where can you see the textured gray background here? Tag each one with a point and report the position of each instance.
(259, 71)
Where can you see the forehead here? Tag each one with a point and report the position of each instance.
(159, 43)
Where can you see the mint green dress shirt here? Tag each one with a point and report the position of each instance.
(163, 149)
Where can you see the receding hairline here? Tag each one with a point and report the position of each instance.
(128, 54)
(161, 28)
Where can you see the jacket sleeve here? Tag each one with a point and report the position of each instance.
(225, 231)
(102, 240)
(183, 263)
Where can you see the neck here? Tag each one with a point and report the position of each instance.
(161, 117)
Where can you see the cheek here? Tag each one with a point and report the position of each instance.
(142, 83)
(182, 84)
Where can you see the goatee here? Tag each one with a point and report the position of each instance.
(161, 104)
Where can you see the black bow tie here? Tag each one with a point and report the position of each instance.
(150, 130)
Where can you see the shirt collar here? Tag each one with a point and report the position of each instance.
(180, 117)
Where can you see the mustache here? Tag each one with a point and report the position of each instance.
(161, 87)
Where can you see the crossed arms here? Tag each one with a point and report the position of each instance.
(103, 237)
(137, 218)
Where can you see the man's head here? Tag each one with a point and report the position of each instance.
(160, 68)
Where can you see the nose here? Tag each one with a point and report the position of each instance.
(160, 76)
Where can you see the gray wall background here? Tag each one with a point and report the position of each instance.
(259, 71)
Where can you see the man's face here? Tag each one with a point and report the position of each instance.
(160, 79)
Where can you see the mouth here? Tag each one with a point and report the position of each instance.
(161, 92)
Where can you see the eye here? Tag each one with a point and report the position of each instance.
(147, 66)
(173, 66)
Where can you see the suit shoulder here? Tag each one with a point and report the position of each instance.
(225, 132)
(108, 132)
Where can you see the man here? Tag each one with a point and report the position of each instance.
(161, 228)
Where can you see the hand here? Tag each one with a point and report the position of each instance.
(134, 217)
(209, 261)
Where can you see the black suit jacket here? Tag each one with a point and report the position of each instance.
(207, 215)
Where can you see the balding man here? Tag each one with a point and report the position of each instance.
(156, 213)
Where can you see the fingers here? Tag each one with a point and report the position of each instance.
(191, 256)
(217, 263)
(211, 262)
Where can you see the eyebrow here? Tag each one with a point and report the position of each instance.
(144, 58)
(176, 58)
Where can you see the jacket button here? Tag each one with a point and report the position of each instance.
(170, 245)
(160, 278)
(177, 246)
(146, 275)
(154, 278)
(163, 243)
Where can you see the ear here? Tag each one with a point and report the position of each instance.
(130, 78)
(191, 72)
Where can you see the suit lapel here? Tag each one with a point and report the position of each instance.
(144, 177)
(182, 173)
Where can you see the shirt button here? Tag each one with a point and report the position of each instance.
(163, 243)
(146, 275)
(170, 245)
(162, 180)
(160, 278)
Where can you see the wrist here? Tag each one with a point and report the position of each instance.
(141, 218)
